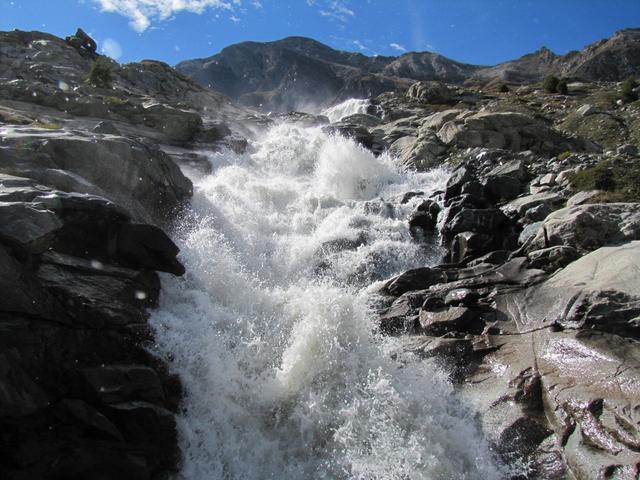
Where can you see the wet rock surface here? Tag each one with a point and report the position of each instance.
(81, 394)
(534, 309)
(87, 194)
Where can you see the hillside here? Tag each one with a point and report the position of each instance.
(296, 72)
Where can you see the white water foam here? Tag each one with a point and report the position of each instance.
(272, 333)
(345, 109)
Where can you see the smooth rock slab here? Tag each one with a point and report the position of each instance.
(590, 365)
(522, 204)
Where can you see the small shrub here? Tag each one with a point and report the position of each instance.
(503, 88)
(550, 84)
(564, 155)
(100, 74)
(562, 88)
(628, 90)
(620, 182)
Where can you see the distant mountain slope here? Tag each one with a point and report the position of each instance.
(297, 72)
(294, 72)
(612, 59)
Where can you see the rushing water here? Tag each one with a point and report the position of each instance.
(345, 109)
(271, 329)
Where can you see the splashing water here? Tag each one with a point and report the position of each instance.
(272, 333)
(345, 109)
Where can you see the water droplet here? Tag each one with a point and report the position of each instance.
(140, 295)
(97, 265)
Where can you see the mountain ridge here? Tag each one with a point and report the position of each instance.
(285, 74)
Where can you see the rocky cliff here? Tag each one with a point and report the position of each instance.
(280, 75)
(88, 187)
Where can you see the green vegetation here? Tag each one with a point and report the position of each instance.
(628, 90)
(607, 130)
(100, 74)
(604, 100)
(562, 88)
(114, 101)
(46, 125)
(564, 155)
(550, 84)
(553, 84)
(503, 88)
(619, 181)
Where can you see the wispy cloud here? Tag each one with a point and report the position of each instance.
(360, 45)
(397, 47)
(141, 13)
(333, 9)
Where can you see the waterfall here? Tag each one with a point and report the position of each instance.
(272, 332)
(345, 109)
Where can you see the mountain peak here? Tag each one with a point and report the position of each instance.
(289, 73)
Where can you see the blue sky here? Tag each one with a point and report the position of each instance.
(473, 31)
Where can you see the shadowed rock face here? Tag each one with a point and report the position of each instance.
(80, 395)
(296, 72)
(81, 210)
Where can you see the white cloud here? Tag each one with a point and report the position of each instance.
(141, 13)
(398, 47)
(256, 3)
(333, 9)
(360, 45)
(111, 48)
(234, 19)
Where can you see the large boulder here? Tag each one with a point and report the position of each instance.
(521, 205)
(177, 125)
(138, 177)
(505, 181)
(444, 320)
(421, 153)
(588, 227)
(475, 220)
(460, 176)
(354, 131)
(505, 130)
(435, 121)
(430, 92)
